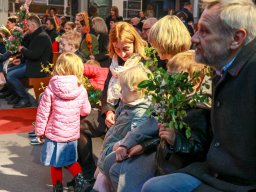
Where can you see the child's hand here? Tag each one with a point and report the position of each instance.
(167, 134)
(136, 150)
(115, 146)
(121, 153)
(110, 119)
(40, 139)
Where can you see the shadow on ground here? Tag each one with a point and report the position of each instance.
(20, 167)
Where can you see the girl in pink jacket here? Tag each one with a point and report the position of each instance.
(58, 120)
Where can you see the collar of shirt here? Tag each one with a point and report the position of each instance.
(225, 68)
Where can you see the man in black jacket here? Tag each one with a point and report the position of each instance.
(225, 40)
(38, 51)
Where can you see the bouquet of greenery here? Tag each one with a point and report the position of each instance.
(172, 95)
(15, 39)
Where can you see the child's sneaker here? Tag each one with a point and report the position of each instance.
(34, 141)
(80, 184)
(58, 187)
(32, 133)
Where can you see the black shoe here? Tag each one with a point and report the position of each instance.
(81, 185)
(5, 88)
(14, 101)
(11, 97)
(5, 94)
(58, 187)
(23, 103)
(32, 133)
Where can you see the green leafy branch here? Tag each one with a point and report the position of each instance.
(173, 94)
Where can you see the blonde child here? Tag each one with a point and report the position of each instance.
(58, 120)
(96, 74)
(70, 42)
(130, 114)
(185, 61)
(69, 26)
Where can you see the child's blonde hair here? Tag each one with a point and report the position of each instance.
(92, 62)
(73, 38)
(133, 76)
(70, 24)
(69, 64)
(185, 61)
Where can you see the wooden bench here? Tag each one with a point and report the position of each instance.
(36, 83)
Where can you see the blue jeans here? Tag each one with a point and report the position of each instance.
(176, 182)
(129, 175)
(13, 79)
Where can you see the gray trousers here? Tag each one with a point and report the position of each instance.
(130, 174)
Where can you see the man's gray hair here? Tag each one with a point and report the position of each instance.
(151, 21)
(237, 14)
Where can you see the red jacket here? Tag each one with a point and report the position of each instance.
(96, 75)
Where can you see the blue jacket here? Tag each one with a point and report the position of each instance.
(128, 118)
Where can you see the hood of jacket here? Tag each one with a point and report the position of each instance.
(65, 87)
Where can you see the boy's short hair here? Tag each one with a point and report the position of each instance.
(73, 38)
(133, 76)
(184, 61)
(35, 19)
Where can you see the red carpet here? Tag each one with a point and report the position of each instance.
(17, 120)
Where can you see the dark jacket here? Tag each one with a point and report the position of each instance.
(231, 160)
(109, 18)
(39, 51)
(52, 34)
(2, 48)
(169, 158)
(102, 57)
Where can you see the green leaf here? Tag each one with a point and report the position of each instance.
(188, 133)
(144, 84)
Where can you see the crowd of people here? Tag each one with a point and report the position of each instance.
(138, 152)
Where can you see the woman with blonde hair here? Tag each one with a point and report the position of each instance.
(124, 44)
(169, 36)
(126, 47)
(65, 96)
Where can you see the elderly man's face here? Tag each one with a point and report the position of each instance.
(212, 47)
(145, 30)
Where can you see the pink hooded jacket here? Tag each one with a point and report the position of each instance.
(58, 114)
